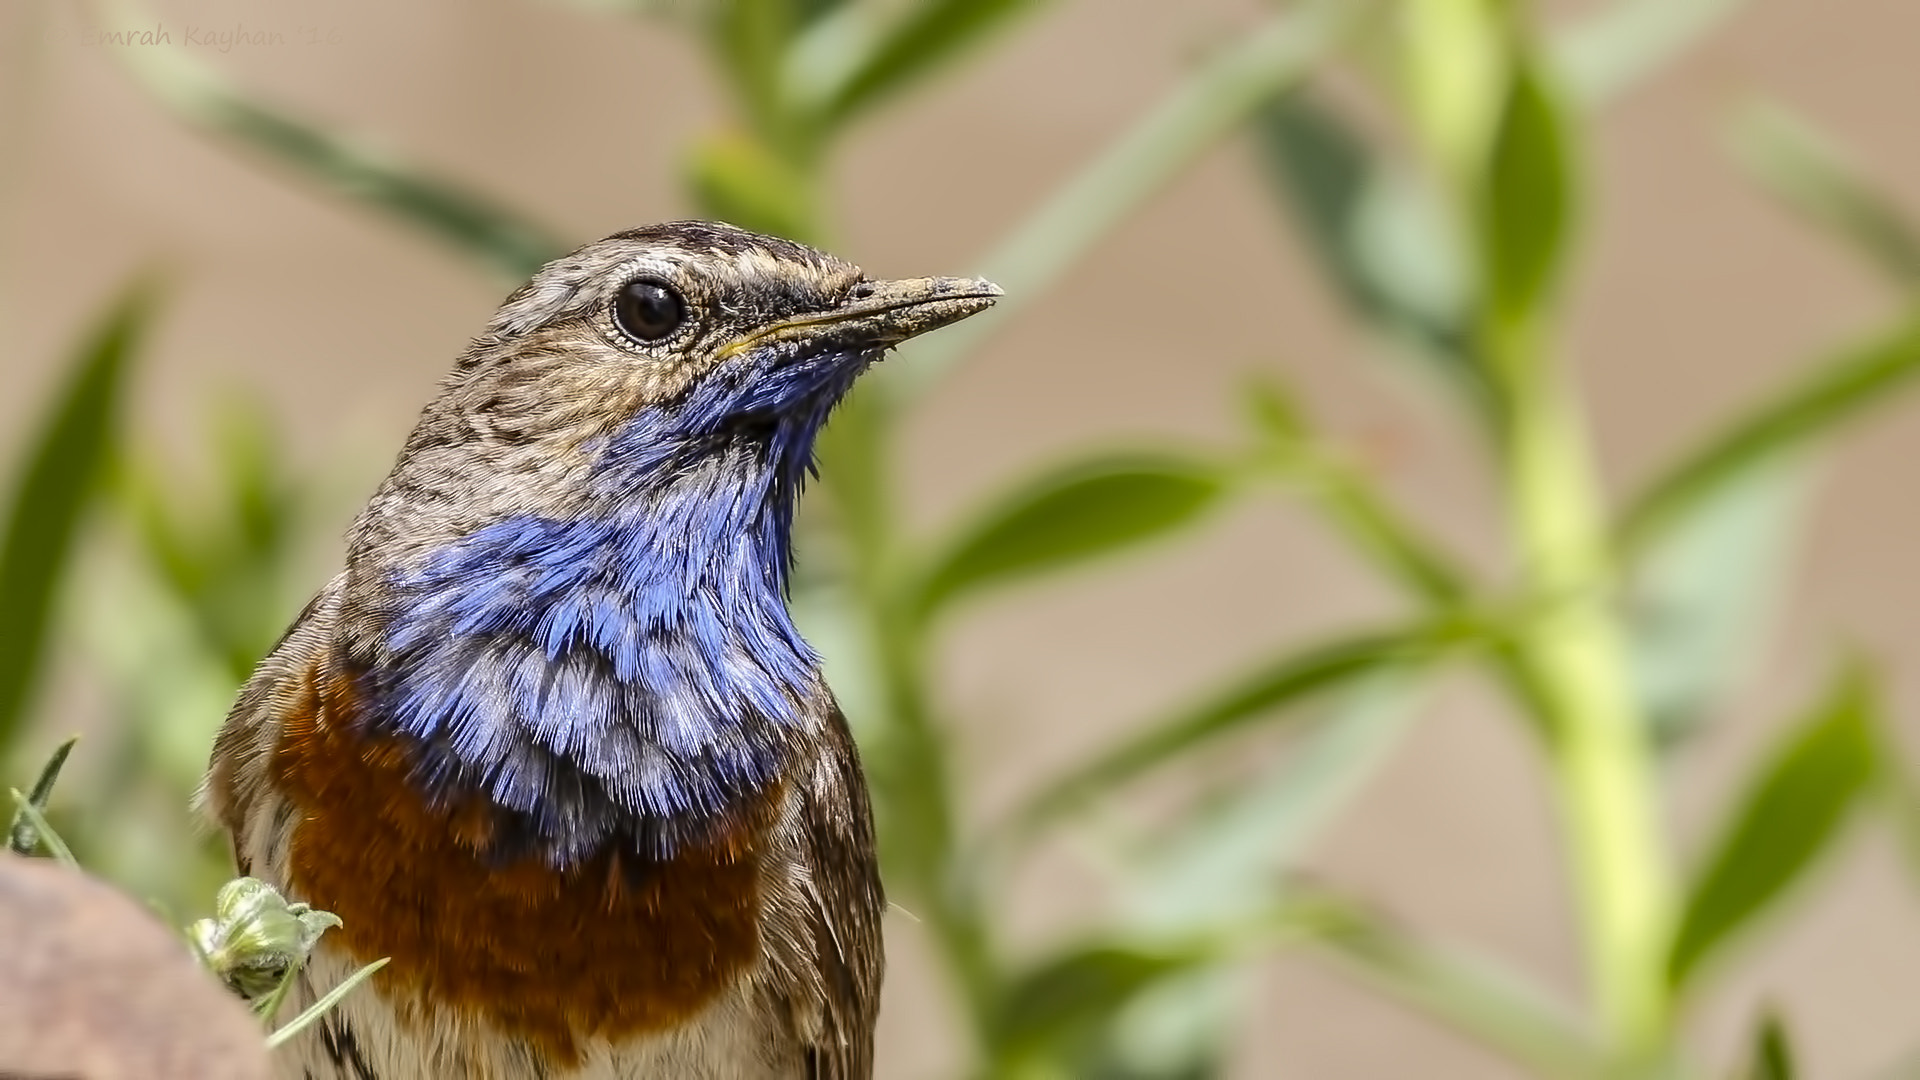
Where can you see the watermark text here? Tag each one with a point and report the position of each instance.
(214, 38)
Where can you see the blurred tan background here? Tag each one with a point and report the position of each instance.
(1694, 292)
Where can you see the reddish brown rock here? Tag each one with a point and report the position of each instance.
(92, 986)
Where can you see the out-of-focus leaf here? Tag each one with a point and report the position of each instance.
(225, 557)
(1702, 598)
(1608, 52)
(165, 688)
(1219, 863)
(736, 178)
(1288, 680)
(30, 822)
(1210, 103)
(750, 39)
(1899, 793)
(810, 11)
(1468, 992)
(1802, 169)
(1176, 1028)
(926, 36)
(258, 481)
(22, 837)
(1071, 515)
(1060, 1003)
(1527, 201)
(1836, 390)
(1380, 238)
(1792, 811)
(508, 243)
(54, 486)
(1214, 873)
(1772, 1051)
(913, 800)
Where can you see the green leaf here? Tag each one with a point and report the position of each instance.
(258, 483)
(55, 485)
(928, 35)
(475, 225)
(1066, 999)
(1626, 42)
(1211, 876)
(735, 178)
(30, 822)
(1217, 863)
(1791, 159)
(750, 39)
(1792, 811)
(1899, 793)
(227, 554)
(22, 837)
(1772, 1051)
(1177, 1028)
(1381, 239)
(1836, 391)
(1288, 680)
(1071, 515)
(1527, 201)
(1702, 597)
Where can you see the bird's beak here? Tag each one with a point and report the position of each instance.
(880, 314)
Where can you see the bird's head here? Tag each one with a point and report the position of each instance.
(653, 352)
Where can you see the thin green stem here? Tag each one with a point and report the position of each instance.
(913, 772)
(320, 1008)
(1573, 667)
(908, 762)
(953, 905)
(1361, 512)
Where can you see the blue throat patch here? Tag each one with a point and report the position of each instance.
(636, 671)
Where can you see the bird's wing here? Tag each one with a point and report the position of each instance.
(237, 795)
(843, 909)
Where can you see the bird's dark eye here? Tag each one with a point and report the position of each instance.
(647, 310)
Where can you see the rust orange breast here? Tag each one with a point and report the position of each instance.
(616, 946)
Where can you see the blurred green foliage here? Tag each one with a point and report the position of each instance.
(1619, 632)
(57, 483)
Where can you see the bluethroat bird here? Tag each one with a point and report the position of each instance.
(551, 740)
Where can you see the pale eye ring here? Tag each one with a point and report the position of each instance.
(647, 310)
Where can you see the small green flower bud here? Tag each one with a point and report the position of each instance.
(256, 937)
